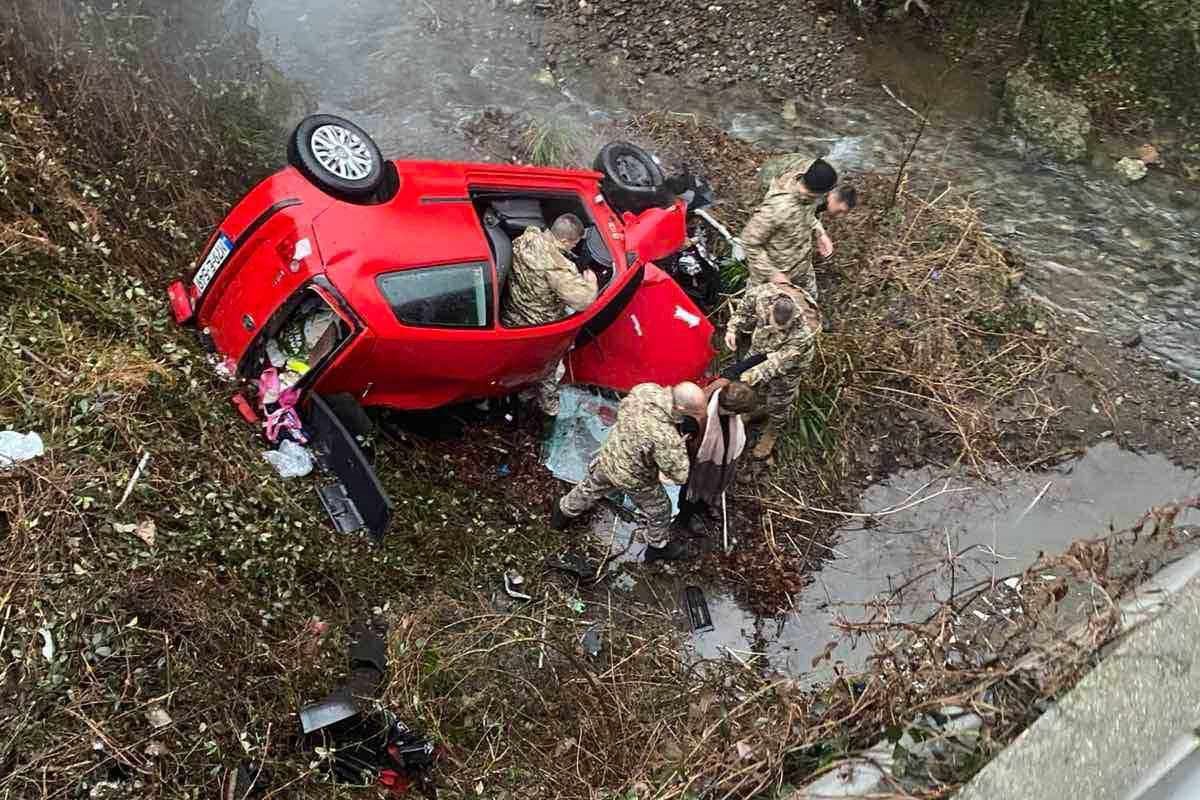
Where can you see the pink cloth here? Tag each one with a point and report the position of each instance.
(285, 417)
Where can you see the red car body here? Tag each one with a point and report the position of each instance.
(642, 327)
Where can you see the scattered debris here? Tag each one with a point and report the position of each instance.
(245, 782)
(697, 609)
(47, 643)
(511, 581)
(592, 644)
(16, 447)
(158, 717)
(291, 460)
(133, 479)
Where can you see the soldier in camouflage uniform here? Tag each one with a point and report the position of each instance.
(782, 322)
(779, 235)
(644, 448)
(543, 284)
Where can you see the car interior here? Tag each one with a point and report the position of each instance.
(299, 338)
(506, 215)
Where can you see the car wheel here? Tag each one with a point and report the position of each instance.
(633, 180)
(338, 156)
(629, 167)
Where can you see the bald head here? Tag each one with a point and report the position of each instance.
(688, 399)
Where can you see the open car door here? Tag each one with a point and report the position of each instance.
(650, 332)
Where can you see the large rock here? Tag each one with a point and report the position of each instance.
(1131, 169)
(775, 166)
(1047, 118)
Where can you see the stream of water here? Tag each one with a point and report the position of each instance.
(1116, 258)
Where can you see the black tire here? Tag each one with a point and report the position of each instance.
(629, 167)
(312, 159)
(633, 181)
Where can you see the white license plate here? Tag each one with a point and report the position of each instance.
(213, 261)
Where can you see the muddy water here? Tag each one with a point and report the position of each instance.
(900, 557)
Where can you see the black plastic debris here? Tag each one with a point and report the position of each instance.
(247, 781)
(575, 565)
(337, 707)
(369, 746)
(697, 609)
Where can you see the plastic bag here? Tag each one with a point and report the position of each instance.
(16, 447)
(291, 460)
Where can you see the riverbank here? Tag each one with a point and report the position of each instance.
(154, 641)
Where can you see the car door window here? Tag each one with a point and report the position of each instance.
(450, 296)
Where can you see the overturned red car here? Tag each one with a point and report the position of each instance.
(384, 280)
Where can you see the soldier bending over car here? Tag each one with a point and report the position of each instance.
(644, 449)
(542, 282)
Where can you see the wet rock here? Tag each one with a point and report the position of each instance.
(1133, 340)
(545, 77)
(1047, 118)
(1131, 169)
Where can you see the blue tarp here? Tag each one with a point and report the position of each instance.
(584, 420)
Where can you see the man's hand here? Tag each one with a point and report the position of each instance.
(589, 275)
(731, 338)
(664, 480)
(824, 245)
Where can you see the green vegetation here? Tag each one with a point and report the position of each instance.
(558, 141)
(1142, 56)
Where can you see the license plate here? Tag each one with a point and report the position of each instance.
(212, 262)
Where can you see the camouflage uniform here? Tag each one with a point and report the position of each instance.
(643, 443)
(788, 348)
(543, 281)
(779, 237)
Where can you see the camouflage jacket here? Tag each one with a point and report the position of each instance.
(788, 348)
(779, 235)
(542, 282)
(645, 441)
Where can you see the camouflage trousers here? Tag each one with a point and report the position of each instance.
(652, 501)
(780, 396)
(760, 268)
(546, 393)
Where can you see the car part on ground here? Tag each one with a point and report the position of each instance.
(339, 157)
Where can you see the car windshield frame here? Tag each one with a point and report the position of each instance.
(484, 267)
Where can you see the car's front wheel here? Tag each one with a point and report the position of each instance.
(338, 156)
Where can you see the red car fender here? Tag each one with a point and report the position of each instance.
(656, 232)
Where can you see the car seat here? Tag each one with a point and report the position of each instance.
(501, 245)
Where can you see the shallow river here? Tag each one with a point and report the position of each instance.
(1114, 257)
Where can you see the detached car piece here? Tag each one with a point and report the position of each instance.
(384, 280)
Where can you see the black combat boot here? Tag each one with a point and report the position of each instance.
(672, 551)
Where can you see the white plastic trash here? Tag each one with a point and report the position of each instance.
(291, 460)
(16, 447)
